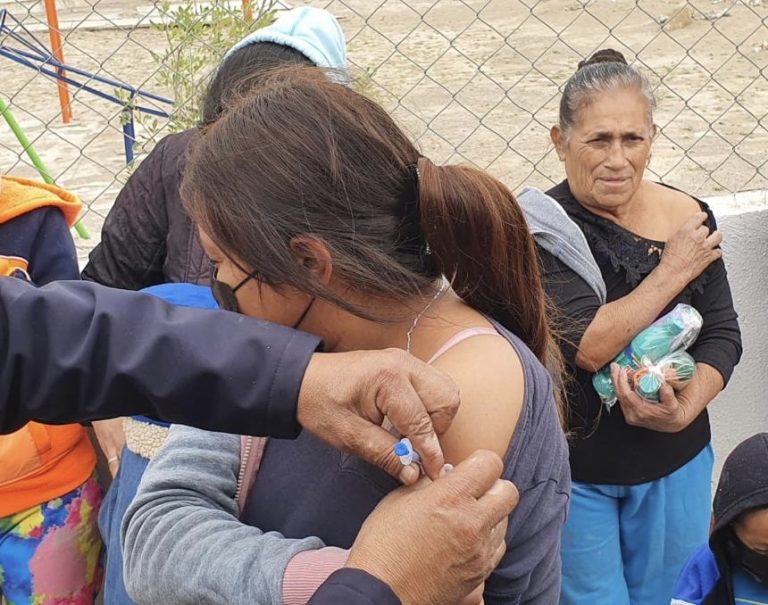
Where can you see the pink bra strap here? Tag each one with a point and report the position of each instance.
(460, 337)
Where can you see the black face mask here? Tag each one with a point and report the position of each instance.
(225, 296)
(754, 563)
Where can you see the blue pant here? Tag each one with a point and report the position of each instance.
(116, 502)
(626, 544)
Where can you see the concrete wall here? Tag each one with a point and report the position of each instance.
(742, 409)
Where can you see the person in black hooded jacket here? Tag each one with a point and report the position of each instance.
(732, 569)
(147, 238)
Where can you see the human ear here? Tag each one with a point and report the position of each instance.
(313, 256)
(558, 140)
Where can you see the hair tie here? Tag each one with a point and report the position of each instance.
(410, 194)
(412, 240)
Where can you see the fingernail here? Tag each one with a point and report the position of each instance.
(409, 475)
(447, 468)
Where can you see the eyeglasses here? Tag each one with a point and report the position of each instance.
(224, 294)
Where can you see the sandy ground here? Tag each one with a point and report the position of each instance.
(473, 80)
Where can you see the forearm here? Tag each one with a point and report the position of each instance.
(105, 353)
(618, 322)
(706, 385)
(183, 542)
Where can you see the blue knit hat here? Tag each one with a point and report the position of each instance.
(313, 32)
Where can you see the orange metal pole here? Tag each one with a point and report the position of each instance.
(247, 11)
(55, 36)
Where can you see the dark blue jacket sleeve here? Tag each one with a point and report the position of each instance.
(42, 237)
(105, 353)
(53, 255)
(353, 587)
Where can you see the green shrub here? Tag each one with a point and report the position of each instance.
(198, 35)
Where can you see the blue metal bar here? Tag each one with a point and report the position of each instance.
(3, 27)
(94, 91)
(41, 60)
(42, 54)
(29, 57)
(129, 134)
(24, 43)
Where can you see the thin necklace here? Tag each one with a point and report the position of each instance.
(418, 317)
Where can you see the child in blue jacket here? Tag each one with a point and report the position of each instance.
(732, 569)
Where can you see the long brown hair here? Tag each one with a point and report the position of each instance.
(303, 154)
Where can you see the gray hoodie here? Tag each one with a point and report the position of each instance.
(556, 233)
(170, 531)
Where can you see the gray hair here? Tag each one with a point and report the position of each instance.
(604, 71)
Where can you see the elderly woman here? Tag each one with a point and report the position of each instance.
(642, 472)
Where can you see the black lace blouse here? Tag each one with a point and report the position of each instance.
(604, 448)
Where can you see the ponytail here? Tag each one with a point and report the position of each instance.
(340, 171)
(480, 241)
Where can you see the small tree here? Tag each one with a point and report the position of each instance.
(198, 35)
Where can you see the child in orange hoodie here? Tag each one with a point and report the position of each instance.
(49, 497)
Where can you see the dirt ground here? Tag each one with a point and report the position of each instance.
(473, 80)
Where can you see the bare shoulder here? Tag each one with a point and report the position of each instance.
(677, 205)
(491, 380)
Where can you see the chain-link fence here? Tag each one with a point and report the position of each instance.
(472, 80)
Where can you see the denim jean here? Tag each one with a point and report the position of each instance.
(116, 502)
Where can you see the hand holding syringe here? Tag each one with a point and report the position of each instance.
(404, 451)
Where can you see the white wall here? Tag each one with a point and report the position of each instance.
(742, 409)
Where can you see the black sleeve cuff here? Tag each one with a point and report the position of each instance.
(286, 384)
(354, 587)
(715, 358)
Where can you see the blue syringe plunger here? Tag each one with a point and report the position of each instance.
(404, 450)
(401, 449)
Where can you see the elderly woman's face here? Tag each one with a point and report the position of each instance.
(607, 149)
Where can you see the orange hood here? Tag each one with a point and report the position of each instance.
(19, 196)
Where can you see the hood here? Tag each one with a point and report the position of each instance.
(743, 482)
(19, 196)
(313, 32)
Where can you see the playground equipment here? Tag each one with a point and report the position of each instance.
(56, 48)
(247, 10)
(34, 158)
(32, 53)
(22, 46)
